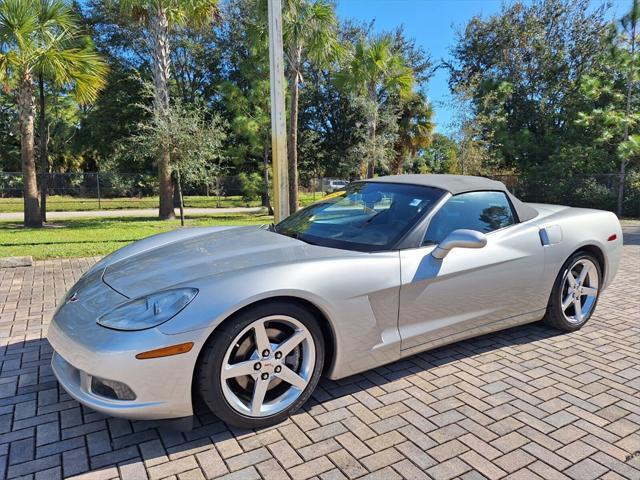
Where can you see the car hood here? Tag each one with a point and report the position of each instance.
(205, 254)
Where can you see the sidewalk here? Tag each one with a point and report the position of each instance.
(146, 212)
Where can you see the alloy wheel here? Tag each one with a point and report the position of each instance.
(579, 291)
(268, 366)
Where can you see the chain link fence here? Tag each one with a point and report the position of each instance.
(109, 190)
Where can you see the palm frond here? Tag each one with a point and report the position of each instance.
(197, 13)
(43, 36)
(375, 67)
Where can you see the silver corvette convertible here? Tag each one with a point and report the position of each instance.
(249, 318)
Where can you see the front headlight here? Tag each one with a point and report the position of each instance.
(149, 311)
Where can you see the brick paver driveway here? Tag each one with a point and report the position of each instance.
(525, 403)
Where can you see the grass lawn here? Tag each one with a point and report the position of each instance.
(86, 237)
(65, 203)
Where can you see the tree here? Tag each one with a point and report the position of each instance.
(193, 142)
(9, 138)
(115, 116)
(332, 132)
(441, 156)
(612, 117)
(630, 146)
(159, 17)
(521, 71)
(415, 127)
(375, 72)
(42, 38)
(309, 33)
(243, 91)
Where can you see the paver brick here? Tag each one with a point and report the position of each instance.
(347, 464)
(311, 468)
(172, 467)
(381, 459)
(452, 468)
(271, 470)
(250, 458)
(285, 454)
(74, 462)
(211, 463)
(586, 470)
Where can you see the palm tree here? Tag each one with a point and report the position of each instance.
(415, 127)
(42, 38)
(375, 72)
(159, 17)
(310, 32)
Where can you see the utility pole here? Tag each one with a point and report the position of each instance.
(278, 114)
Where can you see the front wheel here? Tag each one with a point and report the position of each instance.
(575, 293)
(262, 365)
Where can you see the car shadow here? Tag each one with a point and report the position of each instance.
(109, 442)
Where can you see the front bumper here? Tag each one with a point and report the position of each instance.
(83, 349)
(77, 383)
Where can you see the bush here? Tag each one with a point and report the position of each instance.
(11, 185)
(590, 193)
(252, 186)
(632, 194)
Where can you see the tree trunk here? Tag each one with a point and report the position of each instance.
(26, 109)
(373, 124)
(398, 161)
(161, 69)
(266, 196)
(623, 161)
(292, 148)
(371, 164)
(180, 198)
(43, 150)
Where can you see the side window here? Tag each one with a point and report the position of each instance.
(481, 211)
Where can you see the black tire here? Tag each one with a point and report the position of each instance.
(208, 377)
(555, 316)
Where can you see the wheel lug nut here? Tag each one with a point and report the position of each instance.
(264, 376)
(257, 366)
(278, 355)
(278, 369)
(265, 353)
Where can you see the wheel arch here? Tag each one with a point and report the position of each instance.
(597, 253)
(322, 318)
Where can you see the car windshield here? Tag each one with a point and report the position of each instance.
(366, 216)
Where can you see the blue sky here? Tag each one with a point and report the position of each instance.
(433, 24)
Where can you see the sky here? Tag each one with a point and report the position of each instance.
(433, 24)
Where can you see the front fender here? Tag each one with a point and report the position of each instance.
(357, 295)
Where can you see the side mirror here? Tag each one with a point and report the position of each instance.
(459, 239)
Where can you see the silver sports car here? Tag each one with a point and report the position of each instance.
(249, 318)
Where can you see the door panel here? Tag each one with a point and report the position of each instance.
(470, 288)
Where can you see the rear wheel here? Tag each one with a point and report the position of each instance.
(262, 365)
(575, 293)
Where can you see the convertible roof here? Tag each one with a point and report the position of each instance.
(456, 184)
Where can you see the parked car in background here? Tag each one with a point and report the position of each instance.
(249, 318)
(336, 185)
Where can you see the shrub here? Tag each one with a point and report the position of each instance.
(252, 186)
(632, 194)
